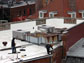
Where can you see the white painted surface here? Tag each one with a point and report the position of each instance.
(32, 51)
(59, 23)
(28, 26)
(79, 21)
(7, 36)
(24, 26)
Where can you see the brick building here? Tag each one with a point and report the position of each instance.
(16, 10)
(72, 35)
(37, 53)
(58, 8)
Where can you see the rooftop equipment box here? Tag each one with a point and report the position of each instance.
(47, 29)
(20, 34)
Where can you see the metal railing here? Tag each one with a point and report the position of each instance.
(4, 26)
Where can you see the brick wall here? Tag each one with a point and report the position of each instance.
(57, 55)
(19, 11)
(72, 36)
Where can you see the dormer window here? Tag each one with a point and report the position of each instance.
(83, 15)
(52, 14)
(82, 12)
(73, 14)
(42, 13)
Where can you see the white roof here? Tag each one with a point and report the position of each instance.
(32, 51)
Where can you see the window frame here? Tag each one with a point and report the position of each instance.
(82, 14)
(50, 13)
(74, 15)
(41, 14)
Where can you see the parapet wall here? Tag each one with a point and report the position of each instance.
(73, 35)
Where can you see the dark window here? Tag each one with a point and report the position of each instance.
(30, 11)
(19, 13)
(41, 14)
(24, 12)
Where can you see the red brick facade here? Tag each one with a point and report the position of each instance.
(57, 55)
(72, 36)
(17, 13)
(62, 7)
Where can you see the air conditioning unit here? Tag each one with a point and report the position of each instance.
(3, 21)
(20, 34)
(51, 30)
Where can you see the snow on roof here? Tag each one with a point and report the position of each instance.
(17, 4)
(45, 26)
(32, 51)
(77, 50)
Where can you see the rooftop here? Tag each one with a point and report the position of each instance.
(13, 4)
(77, 50)
(31, 51)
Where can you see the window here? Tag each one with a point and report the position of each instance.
(73, 15)
(41, 15)
(24, 12)
(30, 11)
(51, 15)
(82, 14)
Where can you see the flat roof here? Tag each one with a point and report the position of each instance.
(21, 3)
(32, 51)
